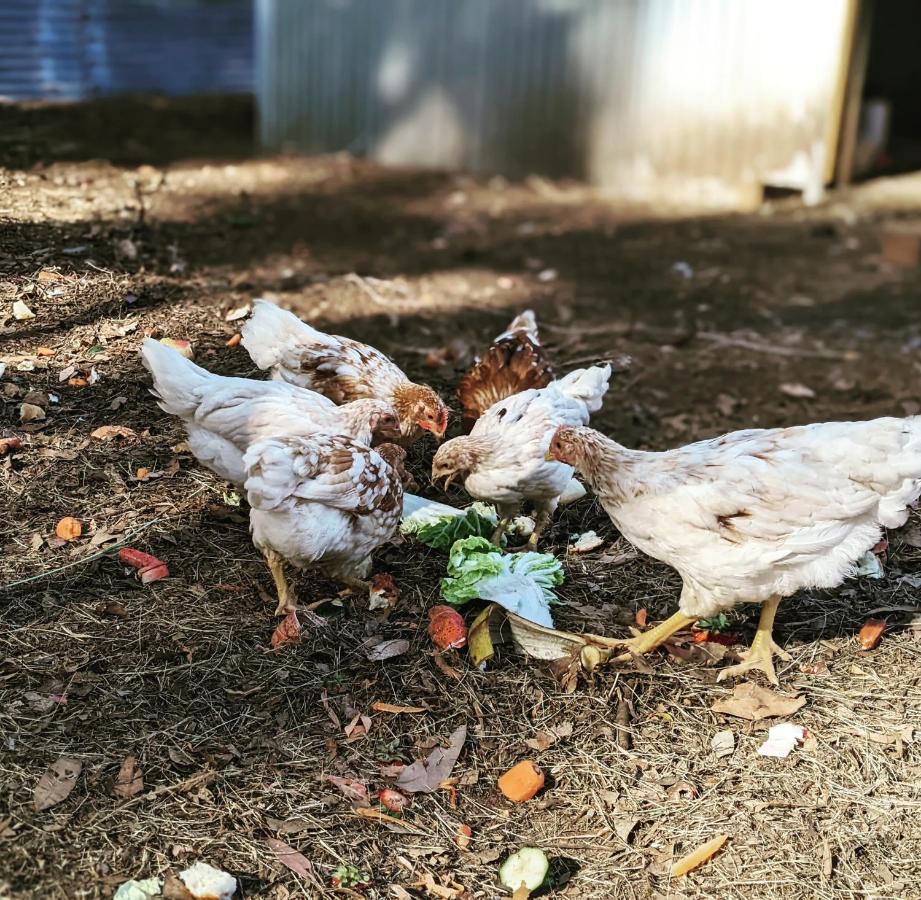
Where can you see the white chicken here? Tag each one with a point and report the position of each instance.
(223, 416)
(754, 516)
(339, 368)
(326, 502)
(503, 459)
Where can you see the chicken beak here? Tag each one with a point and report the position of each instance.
(549, 457)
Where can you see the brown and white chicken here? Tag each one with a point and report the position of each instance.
(756, 515)
(326, 502)
(339, 368)
(503, 459)
(223, 416)
(513, 363)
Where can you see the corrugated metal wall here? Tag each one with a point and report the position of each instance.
(72, 49)
(702, 99)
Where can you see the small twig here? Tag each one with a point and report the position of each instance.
(725, 340)
(79, 562)
(624, 739)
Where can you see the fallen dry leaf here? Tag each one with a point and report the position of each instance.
(543, 740)
(44, 351)
(871, 633)
(462, 836)
(287, 632)
(288, 856)
(56, 784)
(723, 743)
(130, 780)
(434, 889)
(354, 791)
(753, 702)
(111, 432)
(426, 775)
(380, 706)
(391, 822)
(68, 529)
(446, 667)
(387, 650)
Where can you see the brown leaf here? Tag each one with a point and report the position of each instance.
(387, 650)
(354, 791)
(445, 666)
(130, 780)
(288, 856)
(287, 632)
(389, 822)
(56, 784)
(380, 706)
(433, 889)
(426, 775)
(753, 702)
(112, 432)
(546, 739)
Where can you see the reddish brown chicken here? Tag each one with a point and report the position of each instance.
(513, 363)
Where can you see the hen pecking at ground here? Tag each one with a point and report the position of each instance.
(339, 368)
(223, 416)
(754, 516)
(325, 502)
(503, 459)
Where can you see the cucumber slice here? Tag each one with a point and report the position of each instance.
(529, 866)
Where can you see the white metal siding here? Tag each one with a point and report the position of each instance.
(702, 98)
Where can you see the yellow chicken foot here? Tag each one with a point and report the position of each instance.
(657, 636)
(500, 530)
(286, 600)
(763, 648)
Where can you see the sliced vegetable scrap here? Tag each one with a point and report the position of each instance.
(149, 567)
(527, 867)
(446, 628)
(522, 582)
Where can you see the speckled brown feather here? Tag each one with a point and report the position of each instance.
(514, 362)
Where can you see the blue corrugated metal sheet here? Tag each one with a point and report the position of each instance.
(702, 100)
(72, 49)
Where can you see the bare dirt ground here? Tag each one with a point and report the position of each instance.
(774, 319)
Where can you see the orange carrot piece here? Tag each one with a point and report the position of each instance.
(871, 633)
(522, 781)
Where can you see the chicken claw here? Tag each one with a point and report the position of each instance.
(286, 600)
(763, 648)
(655, 637)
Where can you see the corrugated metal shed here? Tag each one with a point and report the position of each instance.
(703, 100)
(73, 49)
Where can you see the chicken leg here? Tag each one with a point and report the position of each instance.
(657, 636)
(763, 648)
(286, 600)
